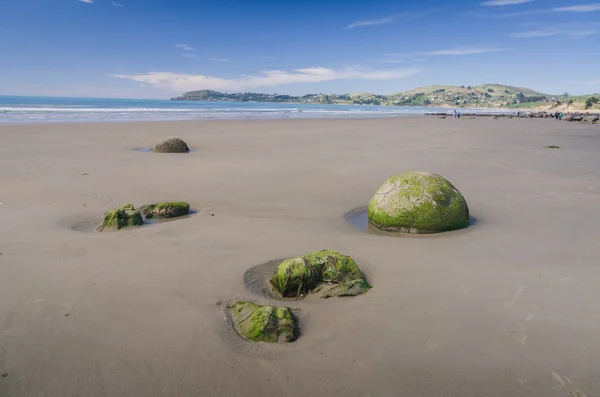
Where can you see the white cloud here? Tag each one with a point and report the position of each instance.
(117, 4)
(579, 8)
(381, 21)
(185, 47)
(218, 59)
(87, 1)
(187, 82)
(465, 51)
(549, 33)
(499, 3)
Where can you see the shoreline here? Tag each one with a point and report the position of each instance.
(464, 115)
(36, 110)
(241, 120)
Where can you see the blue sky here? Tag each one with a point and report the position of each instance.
(161, 48)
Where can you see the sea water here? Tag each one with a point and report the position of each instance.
(17, 109)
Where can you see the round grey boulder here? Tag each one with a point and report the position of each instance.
(171, 145)
(418, 202)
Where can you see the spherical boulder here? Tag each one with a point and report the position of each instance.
(329, 272)
(418, 202)
(269, 324)
(171, 145)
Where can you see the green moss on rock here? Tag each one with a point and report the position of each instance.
(165, 210)
(121, 217)
(264, 323)
(171, 145)
(329, 272)
(418, 202)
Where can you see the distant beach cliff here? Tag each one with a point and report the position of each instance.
(483, 96)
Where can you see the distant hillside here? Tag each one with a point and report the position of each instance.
(484, 96)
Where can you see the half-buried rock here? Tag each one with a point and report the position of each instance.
(264, 323)
(165, 210)
(121, 217)
(418, 202)
(328, 272)
(171, 145)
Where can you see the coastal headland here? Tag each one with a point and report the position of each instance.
(487, 96)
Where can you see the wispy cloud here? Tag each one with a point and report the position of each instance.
(391, 18)
(185, 47)
(576, 8)
(397, 60)
(579, 8)
(374, 22)
(549, 33)
(465, 51)
(521, 13)
(588, 82)
(186, 82)
(499, 3)
(87, 1)
(117, 4)
(218, 59)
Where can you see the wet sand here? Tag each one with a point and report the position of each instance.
(507, 307)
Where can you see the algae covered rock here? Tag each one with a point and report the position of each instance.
(264, 323)
(418, 202)
(329, 272)
(121, 217)
(165, 209)
(171, 145)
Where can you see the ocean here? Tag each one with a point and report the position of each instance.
(18, 109)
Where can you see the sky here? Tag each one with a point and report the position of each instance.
(162, 48)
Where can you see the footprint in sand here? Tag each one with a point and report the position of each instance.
(433, 343)
(359, 365)
(520, 335)
(434, 311)
(577, 393)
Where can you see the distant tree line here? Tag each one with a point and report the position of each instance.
(591, 101)
(522, 98)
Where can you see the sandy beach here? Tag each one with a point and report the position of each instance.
(506, 307)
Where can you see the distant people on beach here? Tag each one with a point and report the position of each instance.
(454, 114)
(458, 114)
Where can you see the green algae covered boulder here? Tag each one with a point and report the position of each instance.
(121, 217)
(165, 210)
(269, 324)
(328, 272)
(418, 202)
(171, 145)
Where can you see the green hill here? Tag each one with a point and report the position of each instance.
(482, 96)
(488, 95)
